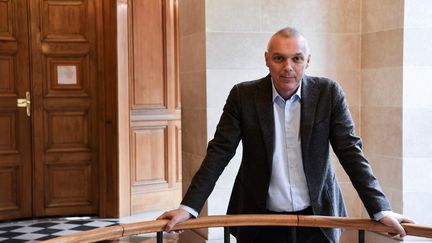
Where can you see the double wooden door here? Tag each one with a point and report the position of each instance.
(49, 147)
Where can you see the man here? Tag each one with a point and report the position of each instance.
(285, 122)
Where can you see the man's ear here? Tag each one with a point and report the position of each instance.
(308, 60)
(266, 57)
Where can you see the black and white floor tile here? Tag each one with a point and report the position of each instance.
(45, 229)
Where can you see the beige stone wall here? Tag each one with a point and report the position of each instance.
(366, 45)
(382, 83)
(193, 88)
(381, 96)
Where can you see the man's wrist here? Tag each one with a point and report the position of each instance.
(190, 210)
(378, 216)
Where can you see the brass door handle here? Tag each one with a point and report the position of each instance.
(25, 103)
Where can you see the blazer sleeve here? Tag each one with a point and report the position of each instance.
(348, 148)
(220, 151)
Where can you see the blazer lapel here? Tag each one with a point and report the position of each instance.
(309, 101)
(264, 109)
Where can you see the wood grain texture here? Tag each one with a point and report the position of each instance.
(65, 116)
(123, 111)
(15, 126)
(241, 220)
(150, 56)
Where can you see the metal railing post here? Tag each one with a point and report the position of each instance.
(159, 237)
(226, 235)
(361, 236)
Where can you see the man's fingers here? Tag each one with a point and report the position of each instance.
(401, 219)
(174, 217)
(404, 219)
(172, 221)
(400, 230)
(169, 226)
(408, 220)
(163, 216)
(397, 227)
(393, 220)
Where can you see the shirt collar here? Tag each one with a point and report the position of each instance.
(276, 95)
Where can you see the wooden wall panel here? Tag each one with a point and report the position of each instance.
(154, 107)
(155, 200)
(149, 166)
(6, 19)
(8, 48)
(148, 53)
(67, 131)
(61, 192)
(8, 133)
(6, 78)
(73, 25)
(8, 186)
(172, 54)
(178, 152)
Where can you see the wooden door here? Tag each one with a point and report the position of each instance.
(15, 138)
(49, 161)
(64, 90)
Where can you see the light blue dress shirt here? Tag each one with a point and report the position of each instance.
(288, 189)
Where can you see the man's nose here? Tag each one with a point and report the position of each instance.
(288, 65)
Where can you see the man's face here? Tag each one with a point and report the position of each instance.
(287, 60)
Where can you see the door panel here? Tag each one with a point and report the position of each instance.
(154, 108)
(65, 107)
(15, 139)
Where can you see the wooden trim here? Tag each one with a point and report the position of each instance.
(241, 220)
(123, 108)
(109, 137)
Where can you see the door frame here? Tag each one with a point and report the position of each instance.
(106, 25)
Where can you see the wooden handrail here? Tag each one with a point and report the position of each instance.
(123, 230)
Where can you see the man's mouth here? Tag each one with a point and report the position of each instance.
(287, 77)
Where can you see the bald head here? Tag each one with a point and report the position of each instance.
(289, 32)
(287, 58)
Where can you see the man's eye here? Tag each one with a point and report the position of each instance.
(298, 59)
(278, 59)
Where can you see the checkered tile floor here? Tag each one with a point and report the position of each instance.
(45, 229)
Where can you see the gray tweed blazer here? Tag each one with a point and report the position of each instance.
(325, 119)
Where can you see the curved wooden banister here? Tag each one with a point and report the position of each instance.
(239, 220)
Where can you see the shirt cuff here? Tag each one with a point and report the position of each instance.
(378, 216)
(189, 210)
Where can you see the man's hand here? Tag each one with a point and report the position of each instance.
(393, 220)
(175, 216)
